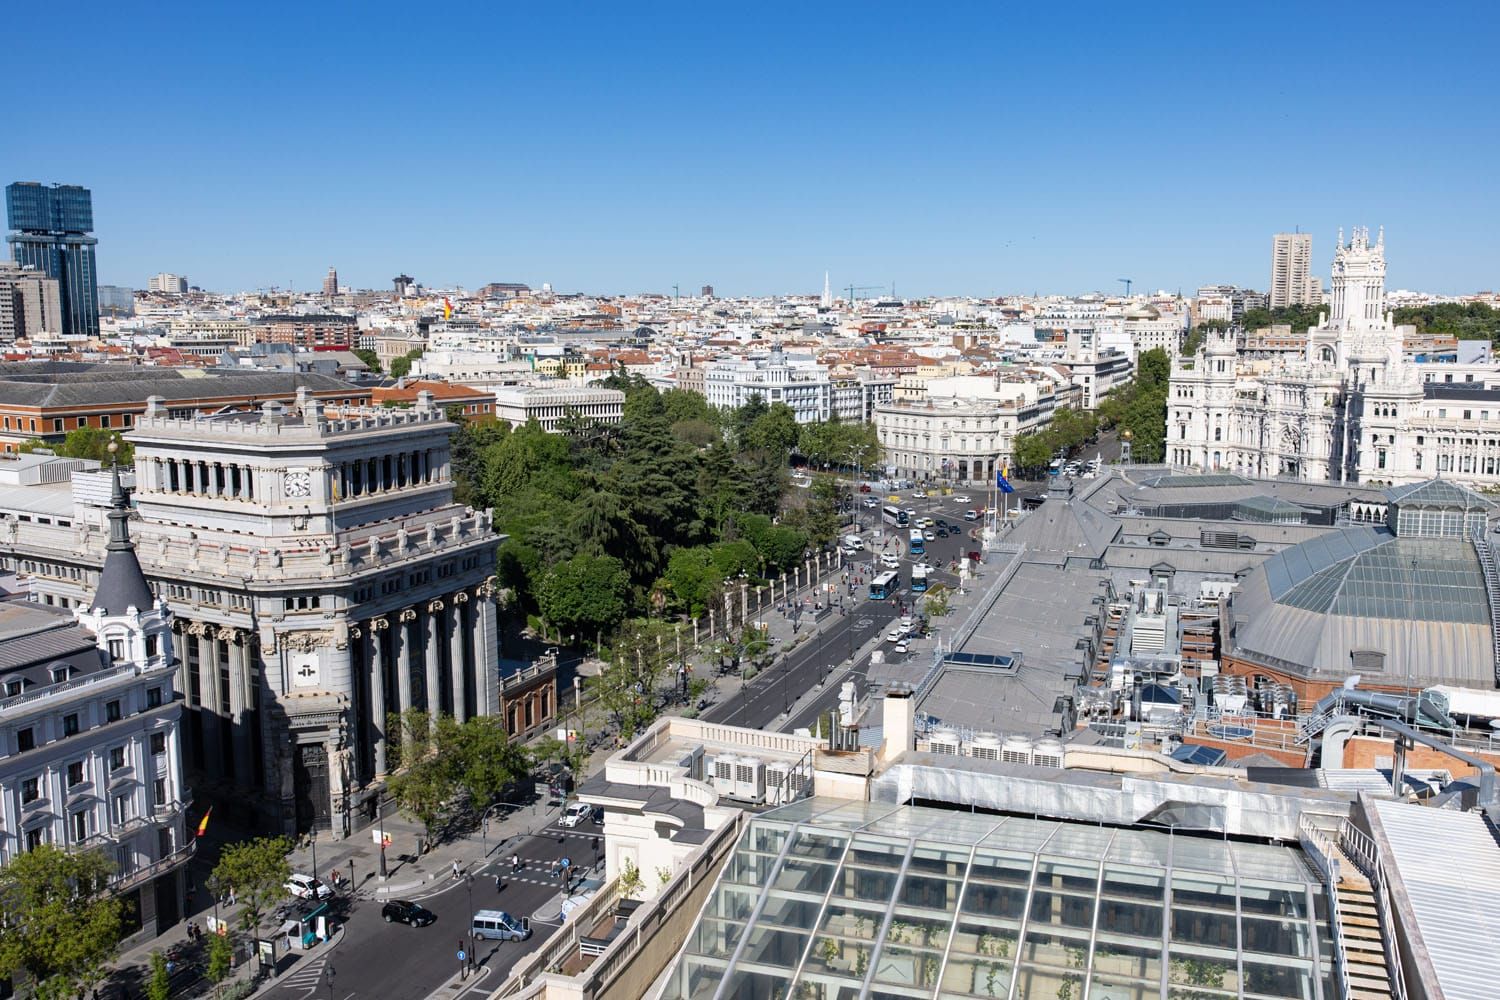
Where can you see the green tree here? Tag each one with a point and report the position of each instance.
(774, 431)
(630, 880)
(220, 960)
(1033, 452)
(86, 442)
(61, 922)
(422, 790)
(584, 594)
(692, 579)
(782, 546)
(698, 433)
(159, 986)
(257, 871)
(1297, 317)
(1464, 320)
(369, 357)
(483, 755)
(401, 367)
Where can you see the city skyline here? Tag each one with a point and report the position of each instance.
(624, 153)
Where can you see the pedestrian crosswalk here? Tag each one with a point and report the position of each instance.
(308, 974)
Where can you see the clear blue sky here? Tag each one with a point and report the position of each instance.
(948, 148)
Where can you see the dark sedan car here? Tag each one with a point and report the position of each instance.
(403, 911)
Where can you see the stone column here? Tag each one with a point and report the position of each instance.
(432, 639)
(377, 692)
(403, 658)
(239, 688)
(487, 684)
(456, 655)
(208, 696)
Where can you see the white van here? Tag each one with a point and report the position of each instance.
(497, 925)
(854, 543)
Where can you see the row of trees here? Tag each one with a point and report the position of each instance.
(1464, 320)
(1070, 429)
(1140, 406)
(1297, 317)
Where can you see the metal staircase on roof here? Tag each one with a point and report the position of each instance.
(1492, 590)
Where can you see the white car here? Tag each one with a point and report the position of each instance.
(307, 887)
(925, 522)
(902, 646)
(929, 535)
(578, 812)
(896, 635)
(919, 495)
(962, 499)
(890, 561)
(906, 623)
(911, 512)
(869, 502)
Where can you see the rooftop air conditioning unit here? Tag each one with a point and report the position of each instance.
(1016, 750)
(1047, 753)
(785, 781)
(742, 778)
(944, 741)
(986, 746)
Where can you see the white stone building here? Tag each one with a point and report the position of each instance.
(551, 405)
(1351, 407)
(965, 429)
(90, 753)
(320, 576)
(802, 385)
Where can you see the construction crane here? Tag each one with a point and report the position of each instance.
(863, 288)
(1126, 282)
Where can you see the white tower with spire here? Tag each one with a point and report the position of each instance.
(130, 623)
(827, 292)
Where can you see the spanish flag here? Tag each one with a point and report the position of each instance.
(203, 823)
(447, 309)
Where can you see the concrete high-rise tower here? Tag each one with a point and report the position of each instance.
(331, 283)
(827, 292)
(1291, 265)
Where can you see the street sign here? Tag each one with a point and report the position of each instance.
(462, 955)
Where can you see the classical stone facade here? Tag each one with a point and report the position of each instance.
(321, 577)
(1351, 404)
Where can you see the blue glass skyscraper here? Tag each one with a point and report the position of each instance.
(53, 233)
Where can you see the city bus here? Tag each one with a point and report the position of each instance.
(895, 515)
(885, 585)
(917, 546)
(918, 579)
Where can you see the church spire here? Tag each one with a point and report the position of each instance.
(122, 584)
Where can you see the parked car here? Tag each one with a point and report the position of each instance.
(962, 498)
(401, 911)
(576, 814)
(497, 925)
(307, 887)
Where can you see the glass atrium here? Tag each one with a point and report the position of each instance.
(834, 900)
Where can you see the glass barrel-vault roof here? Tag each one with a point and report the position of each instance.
(835, 901)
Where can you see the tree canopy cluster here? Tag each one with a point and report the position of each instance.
(1464, 320)
(450, 765)
(1297, 317)
(401, 367)
(1070, 429)
(85, 442)
(653, 514)
(62, 925)
(1140, 406)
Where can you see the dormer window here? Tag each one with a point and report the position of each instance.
(60, 674)
(117, 649)
(13, 688)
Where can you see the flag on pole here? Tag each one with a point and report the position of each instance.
(1003, 483)
(203, 823)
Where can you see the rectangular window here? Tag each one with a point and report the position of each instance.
(83, 421)
(57, 423)
(158, 743)
(121, 809)
(104, 420)
(75, 774)
(112, 710)
(25, 739)
(31, 789)
(80, 822)
(70, 724)
(116, 758)
(159, 792)
(117, 649)
(153, 697)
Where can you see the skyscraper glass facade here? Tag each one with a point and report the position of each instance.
(53, 233)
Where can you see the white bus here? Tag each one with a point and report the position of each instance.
(895, 515)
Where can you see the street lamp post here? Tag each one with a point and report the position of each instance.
(380, 811)
(330, 982)
(313, 837)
